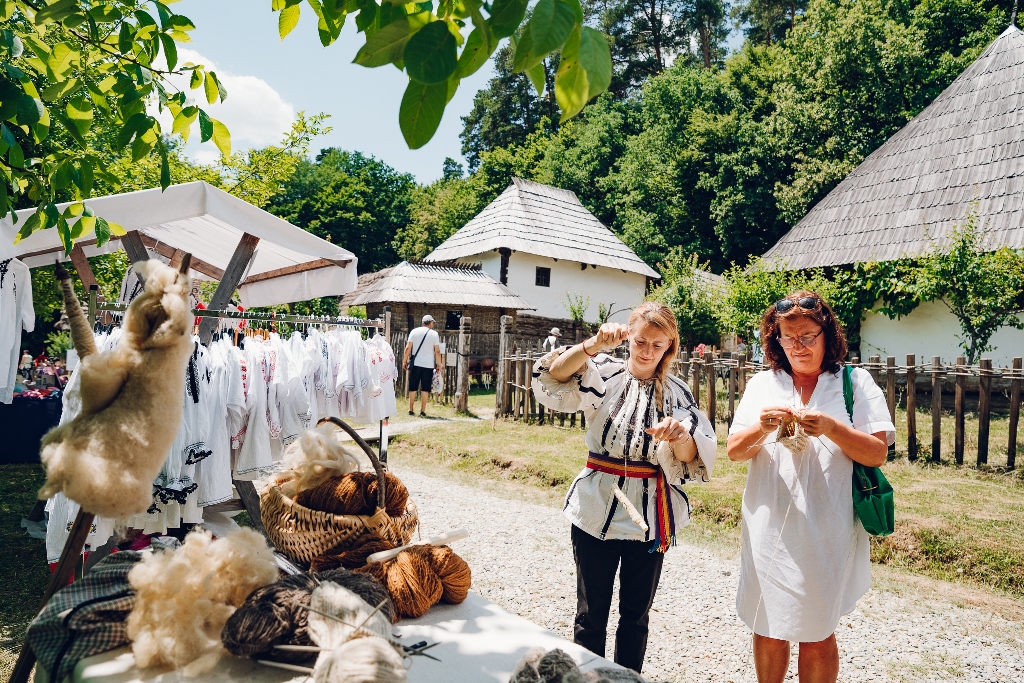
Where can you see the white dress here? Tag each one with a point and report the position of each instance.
(16, 313)
(805, 557)
(618, 408)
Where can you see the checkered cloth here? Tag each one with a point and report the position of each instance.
(85, 618)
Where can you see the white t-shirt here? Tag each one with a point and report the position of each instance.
(425, 358)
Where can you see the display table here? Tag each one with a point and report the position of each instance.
(477, 642)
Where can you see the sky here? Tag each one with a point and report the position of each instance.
(268, 80)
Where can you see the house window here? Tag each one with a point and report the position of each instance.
(543, 277)
(453, 320)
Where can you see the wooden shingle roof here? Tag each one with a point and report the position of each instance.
(429, 283)
(967, 145)
(546, 221)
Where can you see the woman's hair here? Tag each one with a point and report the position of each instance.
(835, 338)
(660, 316)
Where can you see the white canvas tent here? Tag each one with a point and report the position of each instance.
(289, 264)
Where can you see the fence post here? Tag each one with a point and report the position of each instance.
(874, 366)
(984, 408)
(936, 409)
(529, 388)
(732, 384)
(502, 377)
(695, 380)
(958, 409)
(1011, 447)
(890, 393)
(741, 373)
(712, 375)
(462, 381)
(524, 398)
(911, 407)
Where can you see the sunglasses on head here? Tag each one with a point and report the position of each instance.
(808, 303)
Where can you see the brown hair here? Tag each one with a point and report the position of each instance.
(661, 317)
(835, 337)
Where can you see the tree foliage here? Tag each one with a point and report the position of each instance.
(695, 302)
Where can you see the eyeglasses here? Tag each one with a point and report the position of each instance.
(806, 340)
(806, 302)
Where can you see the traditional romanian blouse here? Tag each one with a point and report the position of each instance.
(619, 408)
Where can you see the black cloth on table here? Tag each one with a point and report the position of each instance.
(23, 424)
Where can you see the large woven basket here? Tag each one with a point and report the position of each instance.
(304, 534)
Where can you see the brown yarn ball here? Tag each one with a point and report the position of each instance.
(355, 494)
(350, 557)
(420, 577)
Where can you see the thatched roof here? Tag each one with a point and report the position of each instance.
(430, 283)
(545, 221)
(967, 145)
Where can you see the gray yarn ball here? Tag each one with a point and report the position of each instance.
(558, 667)
(606, 674)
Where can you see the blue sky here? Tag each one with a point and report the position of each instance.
(269, 80)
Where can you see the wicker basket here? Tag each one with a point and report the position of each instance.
(304, 534)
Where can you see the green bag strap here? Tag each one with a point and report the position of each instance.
(848, 389)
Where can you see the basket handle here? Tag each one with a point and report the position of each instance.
(345, 427)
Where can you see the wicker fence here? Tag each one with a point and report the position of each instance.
(718, 381)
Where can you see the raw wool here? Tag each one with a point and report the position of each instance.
(356, 494)
(421, 576)
(792, 434)
(184, 598)
(107, 457)
(314, 458)
(362, 660)
(558, 667)
(351, 617)
(276, 614)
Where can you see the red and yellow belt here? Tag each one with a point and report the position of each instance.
(665, 534)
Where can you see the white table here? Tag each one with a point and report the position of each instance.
(478, 641)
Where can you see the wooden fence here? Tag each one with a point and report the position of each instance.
(718, 381)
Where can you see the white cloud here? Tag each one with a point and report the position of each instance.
(254, 112)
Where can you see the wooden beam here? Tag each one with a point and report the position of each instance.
(176, 258)
(136, 250)
(232, 277)
(198, 265)
(289, 270)
(82, 266)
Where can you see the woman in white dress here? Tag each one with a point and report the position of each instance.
(805, 556)
(646, 439)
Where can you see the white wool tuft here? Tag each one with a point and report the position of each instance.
(184, 598)
(361, 660)
(316, 457)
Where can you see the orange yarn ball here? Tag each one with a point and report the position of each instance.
(420, 577)
(355, 494)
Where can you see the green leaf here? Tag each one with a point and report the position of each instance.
(537, 76)
(197, 79)
(596, 59)
(16, 157)
(79, 111)
(476, 52)
(165, 168)
(102, 231)
(524, 57)
(105, 14)
(125, 38)
(430, 55)
(65, 235)
(572, 89)
(221, 137)
(550, 25)
(30, 225)
(62, 59)
(144, 142)
(205, 126)
(388, 44)
(30, 110)
(221, 90)
(288, 20)
(421, 111)
(55, 11)
(85, 181)
(55, 91)
(133, 125)
(210, 86)
(506, 15)
(170, 51)
(183, 121)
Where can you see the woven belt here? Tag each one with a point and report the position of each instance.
(639, 469)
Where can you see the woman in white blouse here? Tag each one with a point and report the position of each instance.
(805, 557)
(646, 438)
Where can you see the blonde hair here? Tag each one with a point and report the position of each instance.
(661, 317)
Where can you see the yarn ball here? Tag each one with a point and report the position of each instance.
(606, 674)
(350, 557)
(356, 494)
(421, 576)
(351, 617)
(361, 660)
(558, 667)
(274, 615)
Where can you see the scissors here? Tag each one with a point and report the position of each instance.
(420, 648)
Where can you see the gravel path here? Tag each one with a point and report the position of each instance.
(522, 559)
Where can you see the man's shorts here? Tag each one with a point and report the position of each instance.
(420, 379)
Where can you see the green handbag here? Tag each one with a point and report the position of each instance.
(872, 494)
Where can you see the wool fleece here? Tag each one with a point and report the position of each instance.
(107, 457)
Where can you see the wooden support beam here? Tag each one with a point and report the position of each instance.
(198, 265)
(82, 267)
(958, 409)
(984, 408)
(135, 248)
(232, 277)
(298, 268)
(1011, 447)
(462, 381)
(936, 409)
(911, 406)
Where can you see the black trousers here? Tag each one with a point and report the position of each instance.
(596, 564)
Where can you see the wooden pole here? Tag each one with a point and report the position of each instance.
(890, 393)
(911, 407)
(684, 366)
(732, 385)
(82, 267)
(712, 376)
(1011, 446)
(984, 408)
(136, 250)
(695, 380)
(501, 378)
(741, 372)
(237, 266)
(462, 383)
(959, 407)
(936, 409)
(874, 363)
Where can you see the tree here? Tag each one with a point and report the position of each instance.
(708, 22)
(451, 169)
(983, 288)
(436, 211)
(767, 21)
(692, 298)
(350, 199)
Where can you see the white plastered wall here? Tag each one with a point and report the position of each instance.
(602, 285)
(931, 330)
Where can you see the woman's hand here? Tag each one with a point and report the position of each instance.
(772, 416)
(669, 429)
(817, 423)
(607, 338)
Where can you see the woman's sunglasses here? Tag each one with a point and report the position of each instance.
(806, 302)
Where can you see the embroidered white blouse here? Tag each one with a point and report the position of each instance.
(801, 571)
(618, 408)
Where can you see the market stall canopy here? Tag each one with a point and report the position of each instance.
(289, 265)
